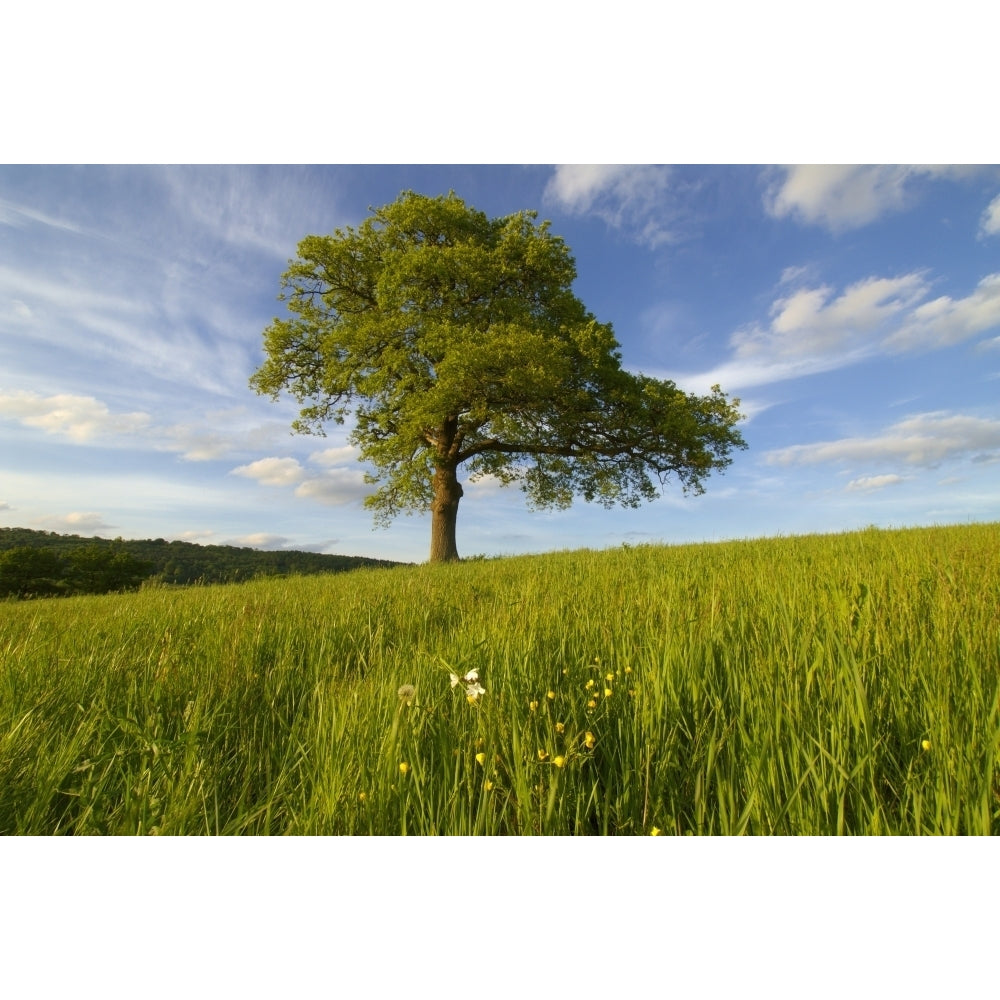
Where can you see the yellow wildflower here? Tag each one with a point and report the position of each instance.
(480, 759)
(560, 727)
(589, 740)
(363, 797)
(488, 785)
(559, 761)
(532, 705)
(551, 695)
(591, 703)
(926, 744)
(609, 677)
(543, 754)
(655, 832)
(589, 684)
(607, 692)
(404, 768)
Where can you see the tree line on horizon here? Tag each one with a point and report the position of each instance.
(47, 564)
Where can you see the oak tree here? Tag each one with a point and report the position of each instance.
(450, 340)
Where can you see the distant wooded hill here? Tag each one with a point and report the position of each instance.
(44, 563)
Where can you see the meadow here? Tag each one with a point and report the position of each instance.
(816, 685)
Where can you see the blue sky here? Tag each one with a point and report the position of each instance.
(854, 310)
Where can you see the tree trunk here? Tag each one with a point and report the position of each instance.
(444, 514)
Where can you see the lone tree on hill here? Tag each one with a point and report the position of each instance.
(452, 339)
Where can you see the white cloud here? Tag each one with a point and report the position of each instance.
(80, 418)
(195, 444)
(625, 197)
(195, 536)
(867, 484)
(260, 540)
(813, 330)
(5, 506)
(75, 522)
(989, 224)
(345, 455)
(272, 471)
(336, 487)
(809, 323)
(844, 197)
(487, 486)
(926, 440)
(945, 321)
(20, 311)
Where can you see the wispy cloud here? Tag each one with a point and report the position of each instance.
(868, 484)
(629, 198)
(924, 440)
(261, 208)
(19, 216)
(86, 421)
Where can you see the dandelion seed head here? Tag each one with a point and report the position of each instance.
(406, 693)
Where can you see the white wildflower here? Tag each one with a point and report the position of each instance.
(473, 689)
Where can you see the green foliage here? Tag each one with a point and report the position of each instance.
(453, 339)
(43, 563)
(28, 571)
(845, 684)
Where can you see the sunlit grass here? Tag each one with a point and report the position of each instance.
(816, 685)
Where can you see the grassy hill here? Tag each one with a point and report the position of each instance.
(840, 684)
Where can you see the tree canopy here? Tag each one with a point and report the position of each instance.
(451, 339)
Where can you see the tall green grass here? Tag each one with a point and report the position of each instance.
(842, 684)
